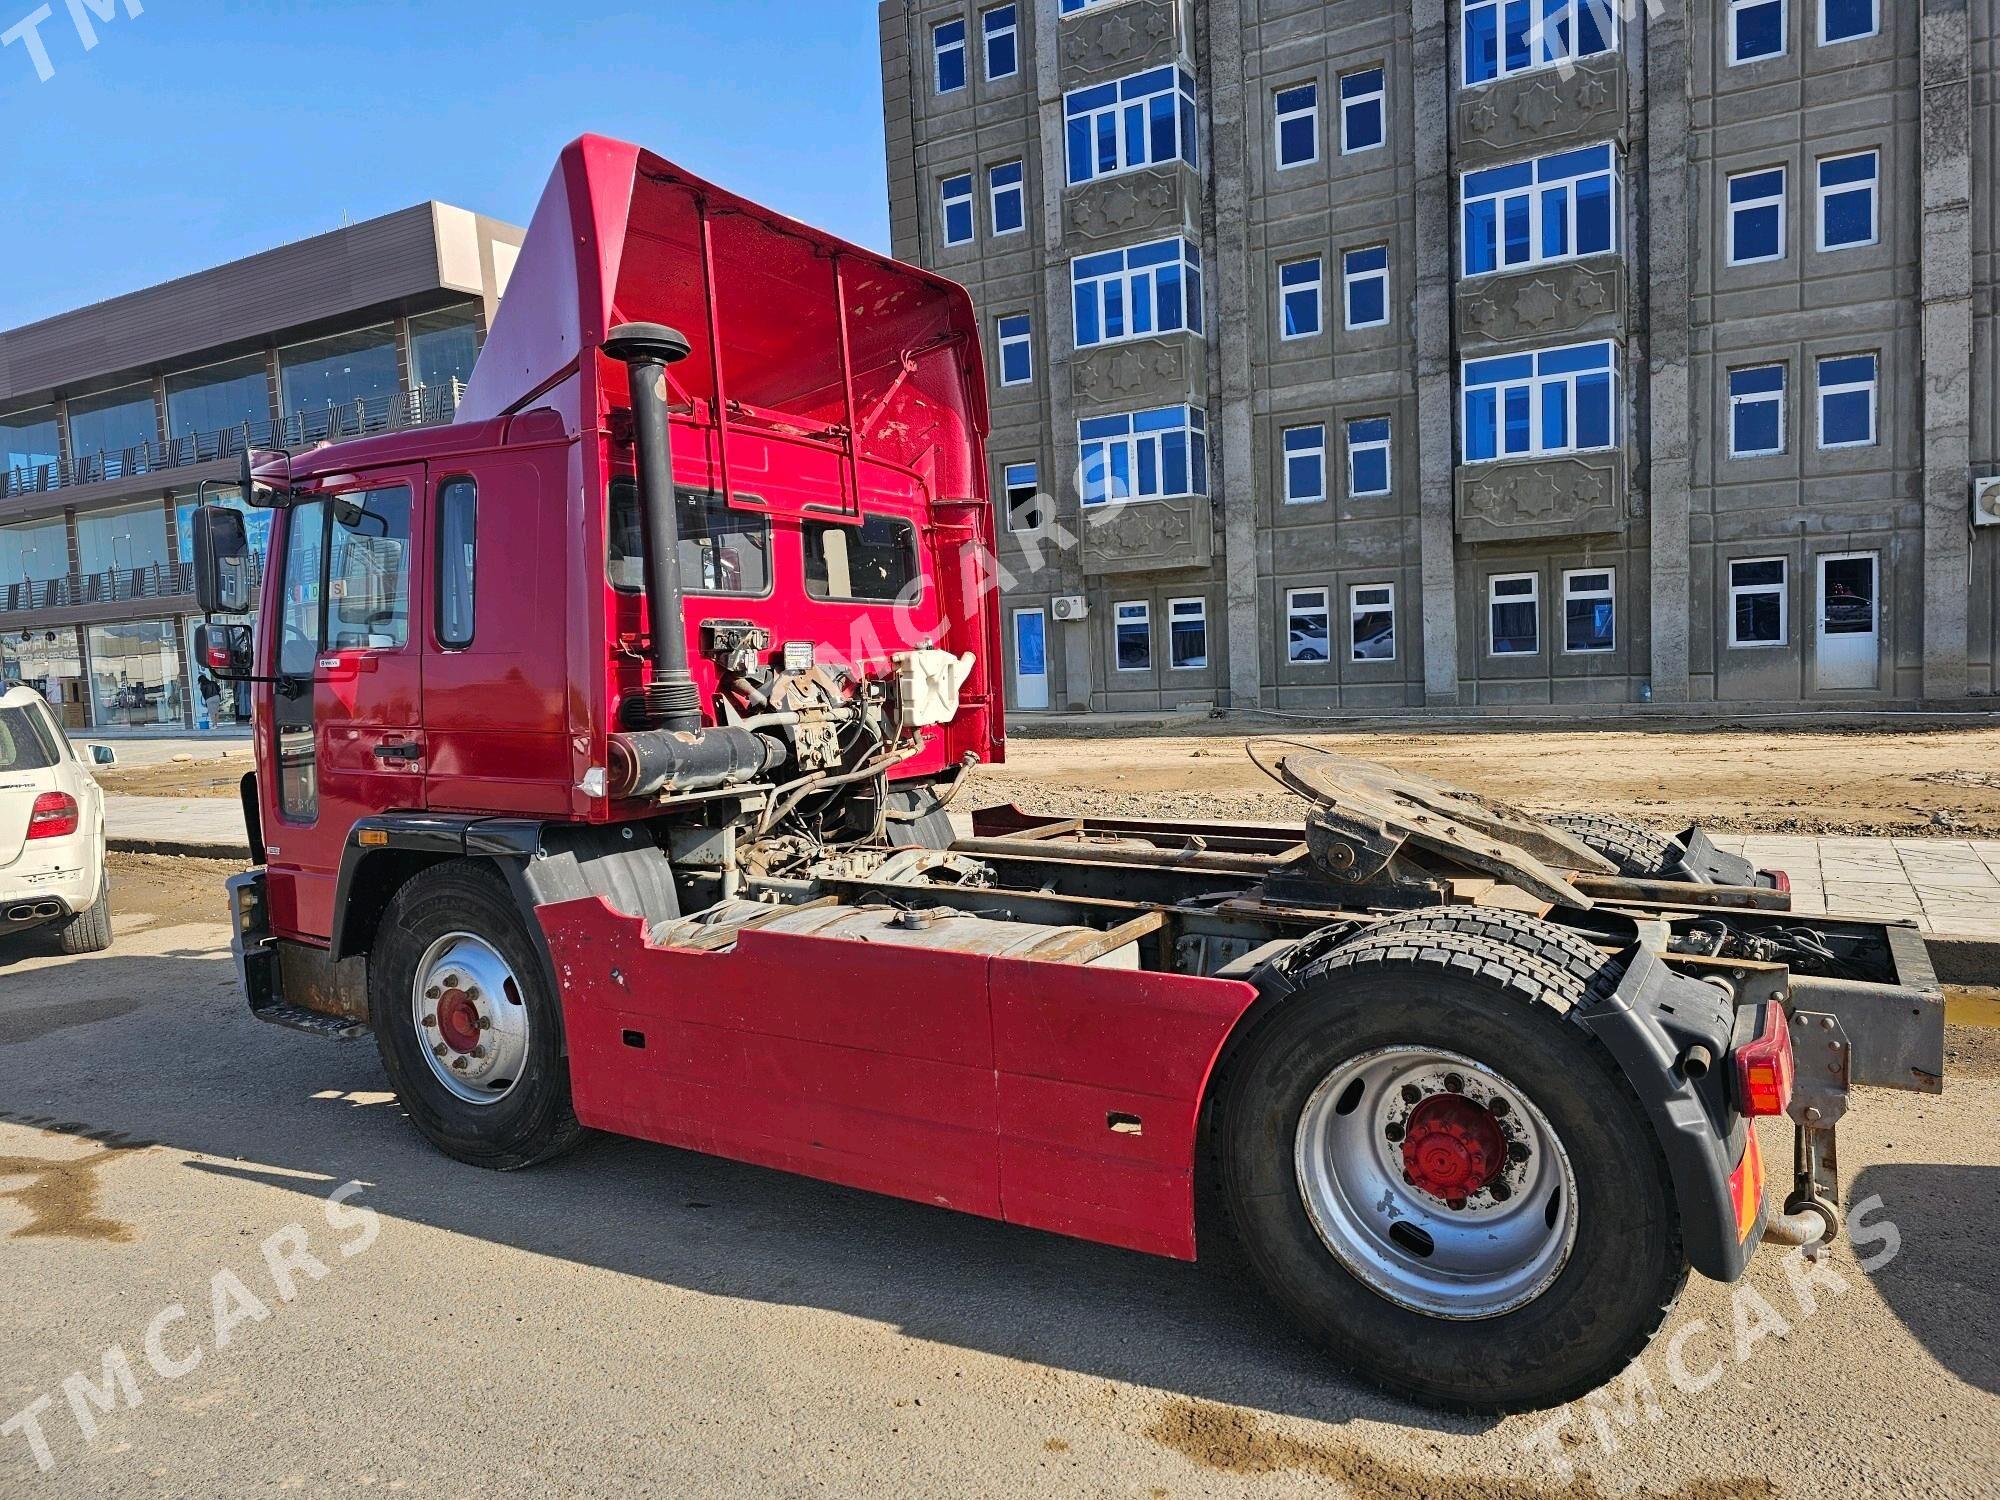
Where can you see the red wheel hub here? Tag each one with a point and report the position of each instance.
(458, 1022)
(1451, 1147)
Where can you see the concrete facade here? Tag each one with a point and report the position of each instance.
(1860, 578)
(110, 425)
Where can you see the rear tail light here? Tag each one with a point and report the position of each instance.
(1780, 881)
(1764, 1065)
(54, 815)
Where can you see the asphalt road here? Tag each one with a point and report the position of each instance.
(639, 1321)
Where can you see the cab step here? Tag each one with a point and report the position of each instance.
(334, 1028)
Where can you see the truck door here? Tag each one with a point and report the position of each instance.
(346, 712)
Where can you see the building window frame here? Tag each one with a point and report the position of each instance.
(1840, 188)
(956, 219)
(1512, 597)
(1187, 617)
(1535, 376)
(948, 57)
(1849, 382)
(1014, 337)
(1158, 441)
(1021, 489)
(1162, 277)
(1000, 41)
(1738, 11)
(1382, 599)
(1303, 107)
(1308, 604)
(1580, 587)
(1523, 194)
(1577, 34)
(1750, 390)
(1132, 621)
(1826, 39)
(1367, 439)
(1301, 298)
(1364, 99)
(1125, 116)
(1780, 589)
(1006, 189)
(1364, 274)
(1304, 450)
(1757, 199)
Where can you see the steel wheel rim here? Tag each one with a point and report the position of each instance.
(471, 1023)
(1502, 1248)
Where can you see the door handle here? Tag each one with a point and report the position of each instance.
(403, 751)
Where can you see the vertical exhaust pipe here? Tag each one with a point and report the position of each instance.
(646, 349)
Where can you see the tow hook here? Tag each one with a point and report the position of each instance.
(1819, 1098)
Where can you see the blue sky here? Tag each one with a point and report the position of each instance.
(203, 130)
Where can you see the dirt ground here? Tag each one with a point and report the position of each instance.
(1866, 780)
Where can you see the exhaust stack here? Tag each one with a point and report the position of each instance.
(646, 349)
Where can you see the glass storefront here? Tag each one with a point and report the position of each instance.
(136, 676)
(338, 371)
(130, 543)
(217, 398)
(28, 446)
(31, 553)
(111, 425)
(443, 346)
(51, 662)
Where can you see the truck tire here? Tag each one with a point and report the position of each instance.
(1452, 1188)
(89, 931)
(1564, 947)
(1638, 851)
(467, 1021)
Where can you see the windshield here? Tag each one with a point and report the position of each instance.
(24, 741)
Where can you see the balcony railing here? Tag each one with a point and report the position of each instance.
(422, 406)
(162, 580)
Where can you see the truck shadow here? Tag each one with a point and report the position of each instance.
(185, 1066)
(1954, 1206)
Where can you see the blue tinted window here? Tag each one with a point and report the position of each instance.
(948, 46)
(1556, 207)
(1847, 401)
(1756, 29)
(1367, 278)
(1298, 125)
(1144, 455)
(1002, 43)
(1845, 20)
(1361, 111)
(1141, 121)
(1017, 349)
(1757, 216)
(1298, 293)
(1305, 464)
(955, 197)
(1004, 188)
(1556, 401)
(1756, 411)
(1368, 456)
(1847, 200)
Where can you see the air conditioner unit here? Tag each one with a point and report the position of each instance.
(1986, 501)
(1071, 607)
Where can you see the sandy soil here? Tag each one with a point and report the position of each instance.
(1862, 780)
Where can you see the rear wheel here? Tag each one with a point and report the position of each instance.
(1562, 947)
(1450, 1185)
(467, 1021)
(89, 931)
(1639, 852)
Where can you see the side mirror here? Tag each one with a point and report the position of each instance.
(221, 561)
(223, 651)
(102, 755)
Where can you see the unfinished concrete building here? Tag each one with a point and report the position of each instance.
(1471, 353)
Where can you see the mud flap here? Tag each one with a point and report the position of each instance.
(1649, 1024)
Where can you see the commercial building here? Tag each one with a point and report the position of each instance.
(1473, 353)
(113, 417)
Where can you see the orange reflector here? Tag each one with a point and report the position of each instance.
(373, 838)
(1746, 1186)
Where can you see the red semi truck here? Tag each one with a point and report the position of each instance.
(604, 740)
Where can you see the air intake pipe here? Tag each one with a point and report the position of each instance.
(673, 703)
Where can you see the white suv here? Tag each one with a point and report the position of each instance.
(51, 830)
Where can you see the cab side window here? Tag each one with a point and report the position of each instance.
(368, 573)
(457, 562)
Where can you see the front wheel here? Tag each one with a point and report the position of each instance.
(467, 1021)
(1449, 1184)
